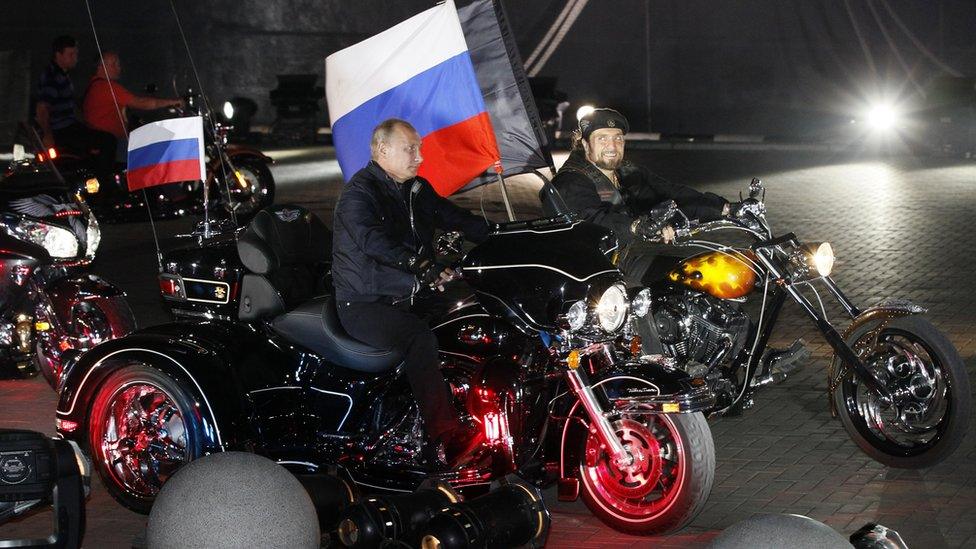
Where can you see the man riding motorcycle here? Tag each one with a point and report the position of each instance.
(382, 254)
(597, 183)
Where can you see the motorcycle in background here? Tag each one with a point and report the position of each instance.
(897, 383)
(238, 176)
(49, 308)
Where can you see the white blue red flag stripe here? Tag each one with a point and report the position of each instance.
(167, 151)
(420, 71)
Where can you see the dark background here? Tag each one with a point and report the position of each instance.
(773, 67)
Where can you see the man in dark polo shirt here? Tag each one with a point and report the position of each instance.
(60, 126)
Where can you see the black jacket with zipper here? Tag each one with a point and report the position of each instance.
(578, 181)
(374, 241)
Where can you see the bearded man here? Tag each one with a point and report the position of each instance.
(601, 187)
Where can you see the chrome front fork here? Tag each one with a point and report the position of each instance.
(599, 424)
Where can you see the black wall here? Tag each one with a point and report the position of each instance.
(690, 66)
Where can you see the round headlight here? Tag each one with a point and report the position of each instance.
(641, 303)
(823, 259)
(576, 317)
(611, 311)
(228, 110)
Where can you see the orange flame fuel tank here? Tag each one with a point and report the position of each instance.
(717, 274)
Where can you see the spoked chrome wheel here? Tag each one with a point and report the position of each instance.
(142, 429)
(251, 187)
(664, 486)
(928, 413)
(143, 438)
(918, 388)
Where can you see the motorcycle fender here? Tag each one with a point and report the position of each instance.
(65, 293)
(886, 310)
(883, 311)
(631, 388)
(235, 151)
(209, 382)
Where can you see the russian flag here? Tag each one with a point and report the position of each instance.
(420, 71)
(167, 151)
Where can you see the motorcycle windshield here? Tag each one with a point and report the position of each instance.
(535, 270)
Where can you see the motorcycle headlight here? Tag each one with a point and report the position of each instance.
(611, 310)
(93, 236)
(576, 317)
(59, 242)
(641, 303)
(823, 259)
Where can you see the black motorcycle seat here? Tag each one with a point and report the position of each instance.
(315, 326)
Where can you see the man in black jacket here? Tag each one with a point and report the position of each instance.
(382, 255)
(599, 185)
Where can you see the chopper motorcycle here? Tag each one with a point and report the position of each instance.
(897, 383)
(258, 362)
(49, 309)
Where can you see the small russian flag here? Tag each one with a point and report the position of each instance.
(168, 151)
(419, 70)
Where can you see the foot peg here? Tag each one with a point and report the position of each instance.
(777, 365)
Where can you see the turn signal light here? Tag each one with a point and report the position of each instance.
(91, 185)
(52, 153)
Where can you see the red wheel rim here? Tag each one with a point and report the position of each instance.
(652, 483)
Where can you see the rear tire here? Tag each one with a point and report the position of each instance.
(668, 491)
(933, 399)
(141, 429)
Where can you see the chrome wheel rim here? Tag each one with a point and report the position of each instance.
(244, 201)
(143, 438)
(919, 406)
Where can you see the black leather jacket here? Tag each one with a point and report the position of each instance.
(579, 182)
(376, 238)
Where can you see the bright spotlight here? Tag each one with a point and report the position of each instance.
(228, 110)
(883, 117)
(584, 110)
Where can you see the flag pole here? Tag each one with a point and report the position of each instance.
(206, 209)
(505, 199)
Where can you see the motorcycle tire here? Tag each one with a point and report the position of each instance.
(930, 385)
(256, 172)
(127, 453)
(678, 452)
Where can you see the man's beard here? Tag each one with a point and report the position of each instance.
(609, 163)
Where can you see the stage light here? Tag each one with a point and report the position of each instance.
(513, 515)
(396, 518)
(883, 117)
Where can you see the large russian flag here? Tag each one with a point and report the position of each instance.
(167, 151)
(420, 71)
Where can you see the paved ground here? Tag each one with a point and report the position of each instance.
(900, 228)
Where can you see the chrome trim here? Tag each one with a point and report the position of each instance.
(348, 410)
(445, 323)
(203, 395)
(539, 232)
(539, 266)
(349, 398)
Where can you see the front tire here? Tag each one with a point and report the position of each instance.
(931, 406)
(668, 486)
(142, 428)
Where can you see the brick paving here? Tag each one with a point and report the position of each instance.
(900, 228)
